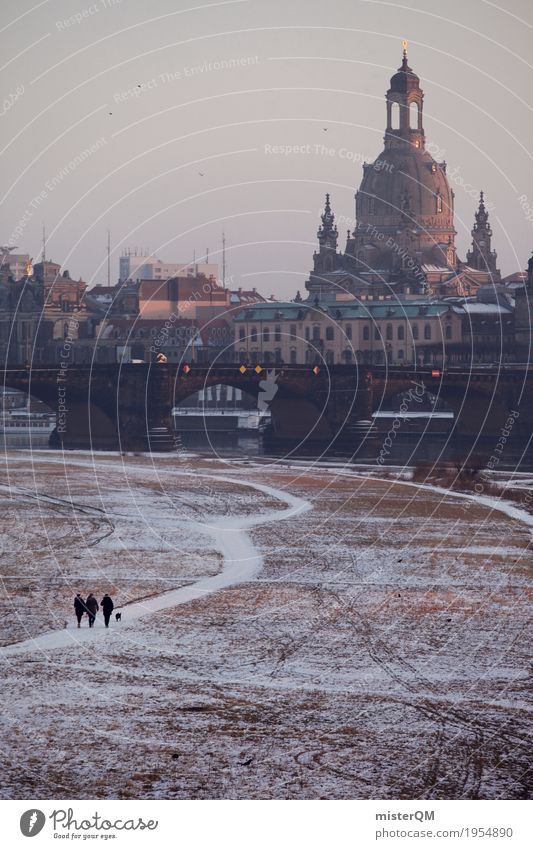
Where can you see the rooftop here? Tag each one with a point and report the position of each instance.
(394, 308)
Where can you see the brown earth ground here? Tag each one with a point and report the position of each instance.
(380, 653)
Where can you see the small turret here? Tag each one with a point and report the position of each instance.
(326, 259)
(327, 233)
(481, 256)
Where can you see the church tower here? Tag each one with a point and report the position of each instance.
(326, 259)
(481, 257)
(404, 207)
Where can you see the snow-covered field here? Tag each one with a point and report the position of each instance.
(286, 633)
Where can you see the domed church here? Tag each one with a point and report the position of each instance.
(404, 239)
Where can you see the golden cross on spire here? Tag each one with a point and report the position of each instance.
(404, 44)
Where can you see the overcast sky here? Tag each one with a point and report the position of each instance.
(131, 83)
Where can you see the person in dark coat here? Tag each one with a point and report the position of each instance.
(79, 608)
(107, 608)
(92, 608)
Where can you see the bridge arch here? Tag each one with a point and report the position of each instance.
(475, 399)
(298, 411)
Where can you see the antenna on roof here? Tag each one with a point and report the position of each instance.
(43, 258)
(109, 257)
(223, 260)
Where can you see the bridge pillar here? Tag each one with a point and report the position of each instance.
(126, 409)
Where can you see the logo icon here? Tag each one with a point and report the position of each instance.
(268, 389)
(32, 822)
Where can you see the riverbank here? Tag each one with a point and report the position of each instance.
(358, 637)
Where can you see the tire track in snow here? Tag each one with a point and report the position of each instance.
(242, 562)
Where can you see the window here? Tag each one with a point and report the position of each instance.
(366, 332)
(401, 331)
(377, 333)
(293, 356)
(254, 334)
(413, 116)
(415, 331)
(389, 331)
(307, 335)
(427, 331)
(266, 334)
(330, 335)
(348, 331)
(293, 331)
(448, 331)
(330, 358)
(277, 355)
(347, 356)
(395, 116)
(438, 205)
(242, 333)
(277, 333)
(400, 355)
(371, 206)
(316, 333)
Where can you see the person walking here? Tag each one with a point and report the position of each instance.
(107, 608)
(92, 608)
(79, 608)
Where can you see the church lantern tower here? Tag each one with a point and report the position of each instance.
(405, 100)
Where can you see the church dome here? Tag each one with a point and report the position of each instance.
(405, 183)
(405, 198)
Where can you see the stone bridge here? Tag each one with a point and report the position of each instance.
(121, 406)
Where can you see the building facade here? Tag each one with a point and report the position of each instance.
(135, 266)
(403, 332)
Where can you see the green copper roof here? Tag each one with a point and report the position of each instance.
(344, 310)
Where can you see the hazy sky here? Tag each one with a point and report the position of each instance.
(160, 93)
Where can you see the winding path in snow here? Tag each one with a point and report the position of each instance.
(242, 562)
